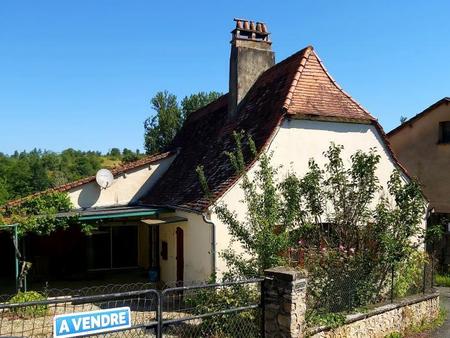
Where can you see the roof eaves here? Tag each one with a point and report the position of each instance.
(418, 116)
(319, 117)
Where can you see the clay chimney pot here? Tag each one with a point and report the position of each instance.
(263, 28)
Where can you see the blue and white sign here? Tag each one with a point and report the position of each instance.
(83, 323)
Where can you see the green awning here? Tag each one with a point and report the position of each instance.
(115, 213)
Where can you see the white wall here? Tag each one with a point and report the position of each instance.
(295, 143)
(125, 189)
(197, 248)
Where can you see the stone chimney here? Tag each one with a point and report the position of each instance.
(251, 54)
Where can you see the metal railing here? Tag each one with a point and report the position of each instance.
(348, 292)
(226, 309)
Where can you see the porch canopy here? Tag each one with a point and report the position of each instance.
(110, 213)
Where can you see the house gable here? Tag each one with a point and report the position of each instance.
(417, 144)
(298, 87)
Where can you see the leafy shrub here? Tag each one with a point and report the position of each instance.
(211, 299)
(32, 310)
(442, 280)
(332, 320)
(409, 274)
(394, 335)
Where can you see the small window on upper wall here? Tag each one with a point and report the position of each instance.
(444, 132)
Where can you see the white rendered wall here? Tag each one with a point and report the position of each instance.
(126, 188)
(294, 144)
(197, 248)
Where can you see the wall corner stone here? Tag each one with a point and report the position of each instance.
(284, 302)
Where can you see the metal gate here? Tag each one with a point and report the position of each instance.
(229, 309)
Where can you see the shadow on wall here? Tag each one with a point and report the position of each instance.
(89, 195)
(336, 127)
(150, 182)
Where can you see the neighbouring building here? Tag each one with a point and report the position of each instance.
(156, 214)
(422, 145)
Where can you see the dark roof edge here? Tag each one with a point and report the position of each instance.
(418, 116)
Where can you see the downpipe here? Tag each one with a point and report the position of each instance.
(213, 243)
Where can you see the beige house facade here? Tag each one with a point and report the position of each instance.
(422, 145)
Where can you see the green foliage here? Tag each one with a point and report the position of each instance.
(24, 173)
(161, 128)
(208, 300)
(196, 101)
(409, 274)
(394, 335)
(442, 280)
(263, 233)
(434, 233)
(28, 311)
(38, 214)
(429, 326)
(350, 231)
(331, 320)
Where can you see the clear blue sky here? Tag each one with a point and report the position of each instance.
(80, 74)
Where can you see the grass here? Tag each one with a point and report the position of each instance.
(442, 280)
(429, 326)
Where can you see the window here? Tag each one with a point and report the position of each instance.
(112, 247)
(444, 132)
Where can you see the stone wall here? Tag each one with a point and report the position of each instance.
(381, 321)
(284, 302)
(284, 292)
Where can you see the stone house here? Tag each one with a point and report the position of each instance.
(156, 214)
(422, 144)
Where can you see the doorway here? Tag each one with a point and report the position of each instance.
(180, 255)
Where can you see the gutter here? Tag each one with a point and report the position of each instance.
(213, 245)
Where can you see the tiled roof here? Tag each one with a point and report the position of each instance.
(299, 87)
(423, 113)
(115, 171)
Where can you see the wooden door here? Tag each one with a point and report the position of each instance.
(180, 255)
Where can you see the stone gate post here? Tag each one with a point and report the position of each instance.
(284, 302)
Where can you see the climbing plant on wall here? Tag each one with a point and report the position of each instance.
(39, 214)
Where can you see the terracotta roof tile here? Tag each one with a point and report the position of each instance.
(299, 86)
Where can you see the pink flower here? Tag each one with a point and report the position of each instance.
(352, 250)
(341, 248)
(301, 242)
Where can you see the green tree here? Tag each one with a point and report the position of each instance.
(333, 213)
(130, 156)
(114, 153)
(194, 102)
(161, 128)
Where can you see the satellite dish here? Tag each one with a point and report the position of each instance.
(104, 178)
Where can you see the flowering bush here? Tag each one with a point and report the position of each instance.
(348, 230)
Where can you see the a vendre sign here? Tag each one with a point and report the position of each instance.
(87, 323)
